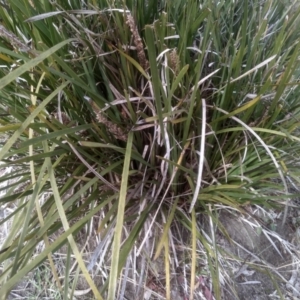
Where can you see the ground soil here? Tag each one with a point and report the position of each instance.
(268, 268)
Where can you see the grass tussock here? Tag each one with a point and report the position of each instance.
(137, 123)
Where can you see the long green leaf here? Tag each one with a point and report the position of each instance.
(114, 271)
(31, 64)
(27, 122)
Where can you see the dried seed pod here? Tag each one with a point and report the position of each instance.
(138, 42)
(174, 61)
(13, 39)
(113, 128)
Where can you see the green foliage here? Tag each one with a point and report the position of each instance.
(205, 93)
